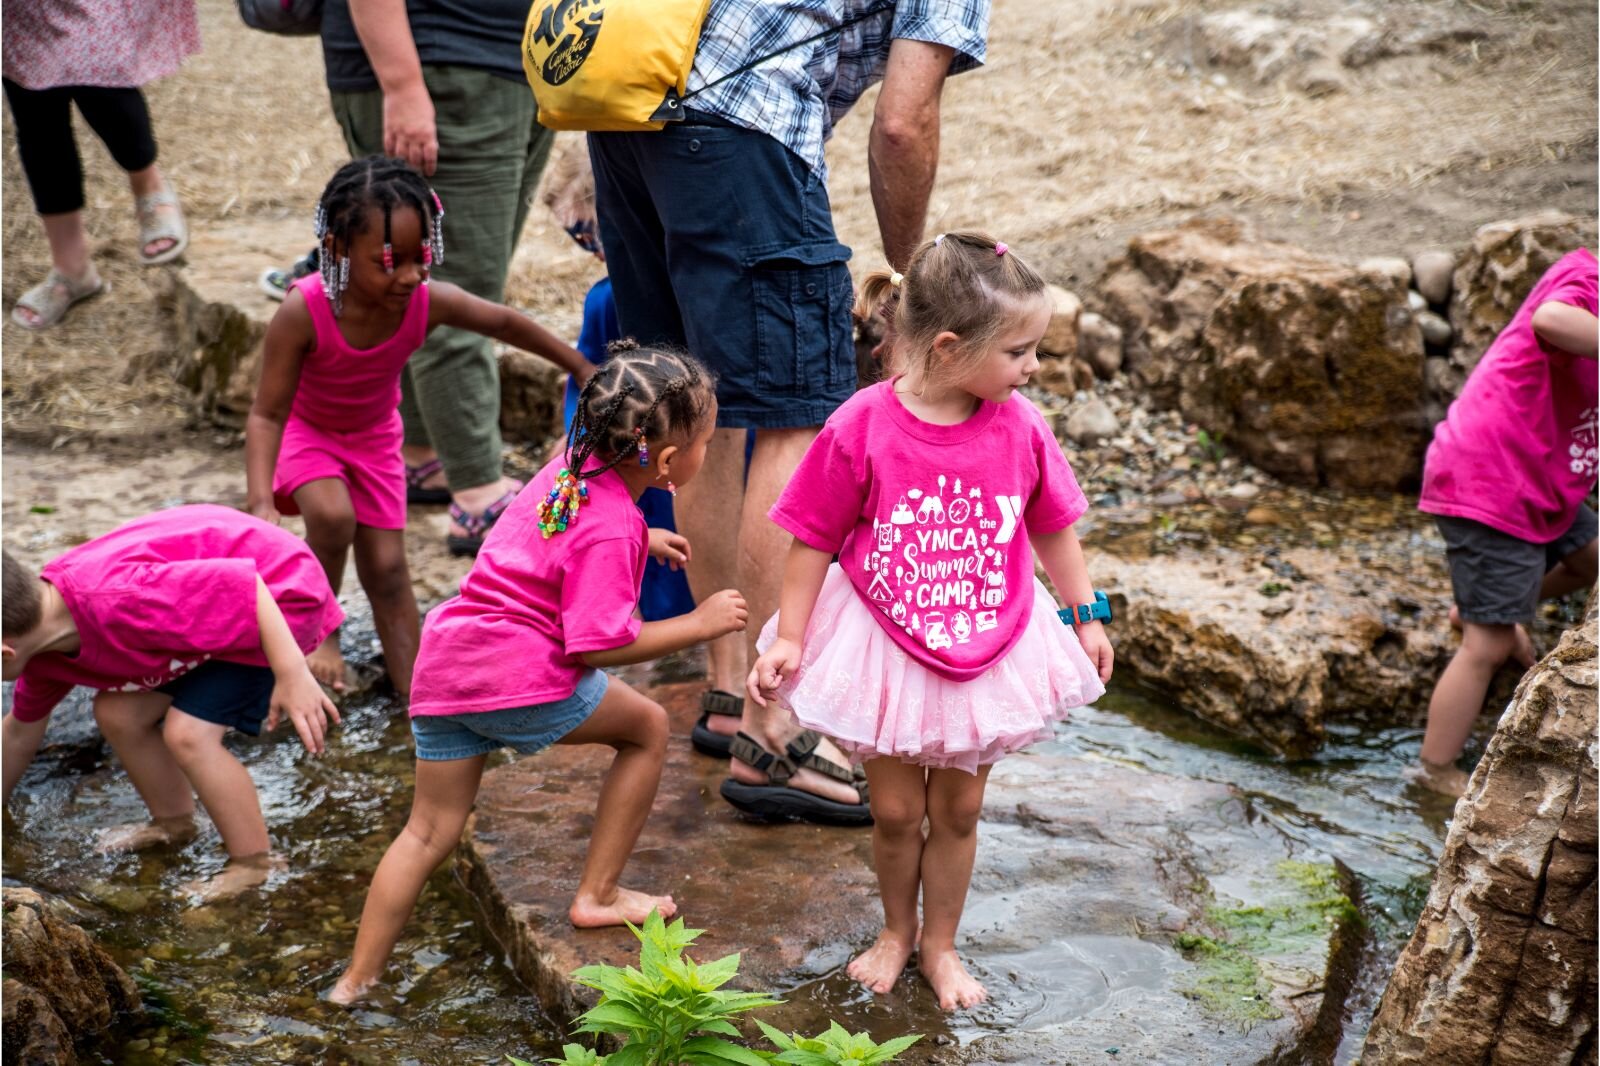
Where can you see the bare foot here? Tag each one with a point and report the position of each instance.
(137, 836)
(239, 876)
(588, 912)
(327, 663)
(1445, 779)
(348, 991)
(956, 988)
(879, 967)
(807, 780)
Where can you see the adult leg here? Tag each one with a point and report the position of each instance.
(955, 803)
(384, 574)
(330, 531)
(636, 727)
(1457, 699)
(131, 723)
(708, 511)
(899, 804)
(121, 118)
(445, 792)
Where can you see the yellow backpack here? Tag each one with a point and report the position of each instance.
(623, 65)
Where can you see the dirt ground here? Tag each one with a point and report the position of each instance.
(1092, 121)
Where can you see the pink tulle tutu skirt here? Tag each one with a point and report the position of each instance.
(856, 685)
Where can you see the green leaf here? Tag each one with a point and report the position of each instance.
(890, 1048)
(717, 1025)
(617, 1015)
(572, 1055)
(777, 1036)
(718, 973)
(711, 1049)
(801, 1057)
(630, 1055)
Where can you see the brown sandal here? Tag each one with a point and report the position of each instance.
(778, 799)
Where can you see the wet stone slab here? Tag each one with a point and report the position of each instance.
(1111, 908)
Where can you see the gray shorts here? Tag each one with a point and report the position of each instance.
(1496, 576)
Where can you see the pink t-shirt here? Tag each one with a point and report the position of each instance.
(159, 596)
(930, 522)
(531, 606)
(1517, 449)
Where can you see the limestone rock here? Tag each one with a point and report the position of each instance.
(1502, 964)
(1100, 345)
(1432, 270)
(1064, 376)
(1061, 337)
(1091, 422)
(1047, 895)
(530, 395)
(1273, 648)
(1500, 269)
(59, 986)
(1308, 367)
(1388, 267)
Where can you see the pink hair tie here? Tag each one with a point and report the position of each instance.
(1000, 248)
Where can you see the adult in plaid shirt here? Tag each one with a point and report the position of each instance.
(719, 238)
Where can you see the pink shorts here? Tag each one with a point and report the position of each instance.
(367, 460)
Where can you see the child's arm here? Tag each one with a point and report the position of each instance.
(803, 573)
(1062, 557)
(669, 547)
(1572, 329)
(450, 305)
(19, 742)
(716, 616)
(294, 692)
(289, 336)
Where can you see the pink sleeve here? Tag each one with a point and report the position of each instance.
(824, 498)
(203, 606)
(33, 699)
(599, 591)
(1057, 501)
(1579, 290)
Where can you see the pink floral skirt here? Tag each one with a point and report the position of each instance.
(856, 685)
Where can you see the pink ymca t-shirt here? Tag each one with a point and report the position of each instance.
(1517, 449)
(531, 606)
(159, 596)
(930, 522)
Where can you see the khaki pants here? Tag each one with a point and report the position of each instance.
(491, 153)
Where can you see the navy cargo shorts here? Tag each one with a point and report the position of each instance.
(721, 241)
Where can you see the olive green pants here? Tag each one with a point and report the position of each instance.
(491, 153)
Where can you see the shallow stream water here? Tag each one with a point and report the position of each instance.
(238, 982)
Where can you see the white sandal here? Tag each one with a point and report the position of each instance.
(51, 298)
(155, 225)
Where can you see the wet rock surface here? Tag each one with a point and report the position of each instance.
(1502, 964)
(1102, 897)
(60, 986)
(1309, 367)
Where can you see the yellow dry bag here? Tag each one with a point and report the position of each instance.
(610, 64)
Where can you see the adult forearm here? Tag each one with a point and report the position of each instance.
(902, 164)
(385, 33)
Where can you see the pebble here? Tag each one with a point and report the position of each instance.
(1244, 490)
(1435, 330)
(1091, 422)
(1263, 516)
(1433, 270)
(1416, 301)
(1100, 344)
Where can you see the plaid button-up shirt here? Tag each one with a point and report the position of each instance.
(797, 96)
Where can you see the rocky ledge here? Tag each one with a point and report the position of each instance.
(1111, 908)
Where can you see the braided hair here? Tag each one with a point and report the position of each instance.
(374, 181)
(638, 395)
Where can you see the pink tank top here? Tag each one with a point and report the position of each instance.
(344, 388)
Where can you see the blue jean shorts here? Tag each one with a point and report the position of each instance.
(722, 242)
(525, 730)
(235, 695)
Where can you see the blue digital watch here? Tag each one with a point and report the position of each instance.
(1099, 610)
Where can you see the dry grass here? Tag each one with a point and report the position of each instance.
(1082, 124)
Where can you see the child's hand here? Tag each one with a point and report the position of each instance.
(779, 661)
(300, 697)
(264, 510)
(1092, 637)
(671, 548)
(721, 614)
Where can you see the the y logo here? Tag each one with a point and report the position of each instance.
(1010, 514)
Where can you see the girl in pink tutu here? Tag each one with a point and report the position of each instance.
(930, 650)
(323, 437)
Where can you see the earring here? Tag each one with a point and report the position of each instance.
(672, 490)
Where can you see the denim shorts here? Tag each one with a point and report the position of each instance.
(235, 695)
(1495, 576)
(757, 286)
(525, 730)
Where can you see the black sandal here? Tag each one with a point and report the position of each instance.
(707, 741)
(778, 799)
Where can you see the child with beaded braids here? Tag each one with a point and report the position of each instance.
(930, 650)
(323, 436)
(515, 660)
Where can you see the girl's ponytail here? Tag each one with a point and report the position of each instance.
(875, 289)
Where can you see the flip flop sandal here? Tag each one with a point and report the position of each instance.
(477, 525)
(417, 492)
(156, 225)
(51, 298)
(778, 800)
(705, 740)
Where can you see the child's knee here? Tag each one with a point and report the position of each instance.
(330, 526)
(957, 815)
(1490, 646)
(653, 730)
(388, 580)
(898, 815)
(1585, 562)
(189, 738)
